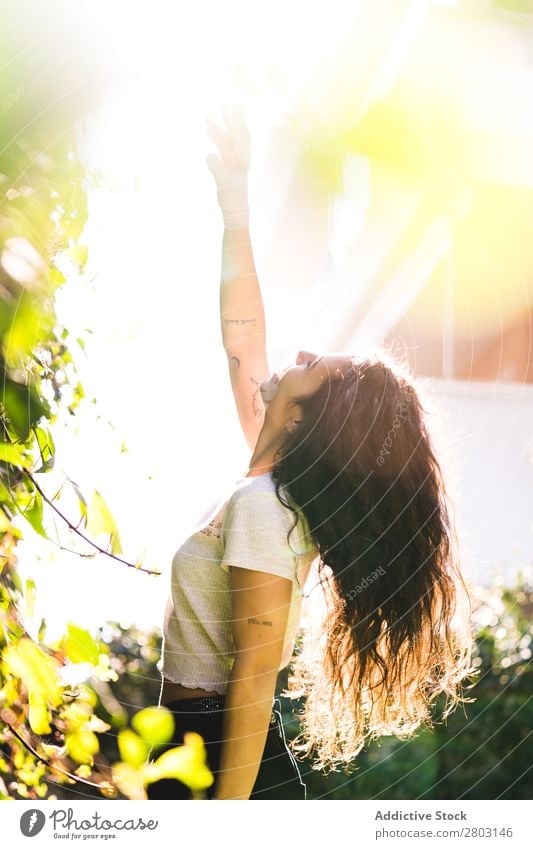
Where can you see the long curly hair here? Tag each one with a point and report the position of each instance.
(392, 631)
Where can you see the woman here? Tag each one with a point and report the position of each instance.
(342, 470)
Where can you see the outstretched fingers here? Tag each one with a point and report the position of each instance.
(233, 139)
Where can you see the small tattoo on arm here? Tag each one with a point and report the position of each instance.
(258, 407)
(252, 321)
(252, 621)
(236, 362)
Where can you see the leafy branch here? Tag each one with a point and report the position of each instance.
(7, 717)
(82, 536)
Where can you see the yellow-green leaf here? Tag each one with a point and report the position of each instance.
(83, 771)
(39, 715)
(29, 325)
(78, 254)
(79, 645)
(37, 670)
(30, 596)
(186, 763)
(100, 521)
(24, 408)
(46, 448)
(81, 746)
(97, 724)
(81, 497)
(133, 750)
(34, 515)
(77, 715)
(14, 454)
(31, 775)
(154, 724)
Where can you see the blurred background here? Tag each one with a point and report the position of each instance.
(391, 196)
(391, 202)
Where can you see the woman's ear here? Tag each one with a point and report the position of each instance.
(290, 426)
(295, 418)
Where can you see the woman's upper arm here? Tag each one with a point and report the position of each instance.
(260, 612)
(248, 368)
(262, 570)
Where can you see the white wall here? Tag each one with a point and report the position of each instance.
(487, 439)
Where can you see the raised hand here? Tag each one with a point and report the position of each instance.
(230, 165)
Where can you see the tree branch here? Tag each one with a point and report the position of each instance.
(82, 535)
(27, 745)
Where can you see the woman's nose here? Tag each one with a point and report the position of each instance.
(304, 357)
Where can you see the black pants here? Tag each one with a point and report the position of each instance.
(278, 776)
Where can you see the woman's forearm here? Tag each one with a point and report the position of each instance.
(242, 316)
(247, 711)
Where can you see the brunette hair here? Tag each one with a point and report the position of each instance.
(393, 631)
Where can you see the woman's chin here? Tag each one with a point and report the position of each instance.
(268, 389)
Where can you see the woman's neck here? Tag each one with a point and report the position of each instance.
(266, 451)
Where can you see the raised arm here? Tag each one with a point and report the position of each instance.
(242, 322)
(242, 316)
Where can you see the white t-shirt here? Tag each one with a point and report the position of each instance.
(249, 529)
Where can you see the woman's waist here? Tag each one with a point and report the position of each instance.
(171, 692)
(214, 705)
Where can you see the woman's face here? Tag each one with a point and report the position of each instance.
(302, 379)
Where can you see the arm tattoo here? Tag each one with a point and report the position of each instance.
(252, 621)
(252, 321)
(257, 407)
(257, 401)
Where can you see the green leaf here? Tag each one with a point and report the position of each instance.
(100, 521)
(78, 255)
(5, 525)
(34, 515)
(17, 583)
(39, 714)
(23, 407)
(133, 750)
(81, 746)
(14, 454)
(56, 277)
(42, 630)
(31, 322)
(154, 724)
(46, 467)
(84, 771)
(79, 646)
(37, 670)
(30, 596)
(81, 497)
(46, 448)
(6, 495)
(186, 763)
